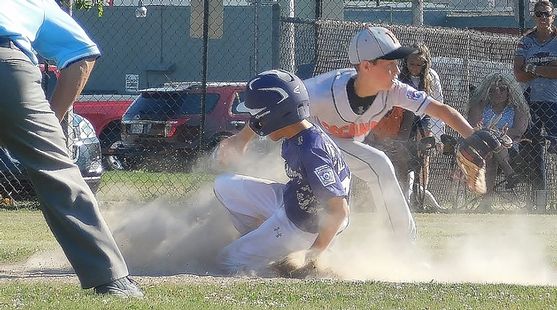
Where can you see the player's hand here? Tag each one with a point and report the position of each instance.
(232, 149)
(226, 153)
(298, 265)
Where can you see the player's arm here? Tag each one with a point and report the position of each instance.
(232, 148)
(336, 212)
(450, 116)
(70, 83)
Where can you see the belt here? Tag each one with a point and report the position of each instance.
(6, 42)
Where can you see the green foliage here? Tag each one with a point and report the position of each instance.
(86, 5)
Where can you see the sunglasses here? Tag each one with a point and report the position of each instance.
(416, 64)
(543, 14)
(498, 88)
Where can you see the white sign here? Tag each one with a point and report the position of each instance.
(132, 82)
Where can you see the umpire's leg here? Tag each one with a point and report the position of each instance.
(31, 132)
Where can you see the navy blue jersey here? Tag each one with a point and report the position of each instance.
(317, 173)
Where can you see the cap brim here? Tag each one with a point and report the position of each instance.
(399, 53)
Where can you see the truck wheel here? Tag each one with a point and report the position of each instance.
(114, 162)
(110, 141)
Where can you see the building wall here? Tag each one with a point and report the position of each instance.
(159, 48)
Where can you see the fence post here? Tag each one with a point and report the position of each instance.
(521, 17)
(275, 36)
(418, 12)
(205, 70)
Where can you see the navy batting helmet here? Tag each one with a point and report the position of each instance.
(276, 99)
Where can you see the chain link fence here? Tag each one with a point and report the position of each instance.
(170, 79)
(464, 60)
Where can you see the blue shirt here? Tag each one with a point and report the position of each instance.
(534, 52)
(41, 26)
(507, 117)
(317, 173)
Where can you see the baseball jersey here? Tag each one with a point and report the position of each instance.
(317, 173)
(41, 26)
(330, 108)
(534, 52)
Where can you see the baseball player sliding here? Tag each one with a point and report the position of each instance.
(277, 219)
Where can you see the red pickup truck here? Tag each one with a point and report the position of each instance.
(105, 113)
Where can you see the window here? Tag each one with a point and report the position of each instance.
(191, 103)
(155, 105)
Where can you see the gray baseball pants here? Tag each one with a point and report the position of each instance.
(31, 132)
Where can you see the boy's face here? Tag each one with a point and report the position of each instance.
(383, 72)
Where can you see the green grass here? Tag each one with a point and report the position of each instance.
(263, 294)
(23, 232)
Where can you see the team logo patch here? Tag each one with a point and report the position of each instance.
(414, 95)
(325, 175)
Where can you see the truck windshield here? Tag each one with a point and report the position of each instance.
(171, 104)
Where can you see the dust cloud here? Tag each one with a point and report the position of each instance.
(505, 253)
(168, 237)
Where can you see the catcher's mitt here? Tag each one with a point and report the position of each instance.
(471, 154)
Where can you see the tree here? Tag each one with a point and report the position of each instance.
(69, 5)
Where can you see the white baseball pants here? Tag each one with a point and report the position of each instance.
(257, 211)
(375, 168)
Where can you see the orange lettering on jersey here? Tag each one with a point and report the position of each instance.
(350, 130)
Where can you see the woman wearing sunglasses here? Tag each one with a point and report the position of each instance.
(535, 66)
(498, 103)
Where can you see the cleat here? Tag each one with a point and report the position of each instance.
(123, 287)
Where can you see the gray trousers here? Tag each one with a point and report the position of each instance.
(31, 132)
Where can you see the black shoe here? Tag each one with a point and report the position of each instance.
(123, 287)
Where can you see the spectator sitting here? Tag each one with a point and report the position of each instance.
(498, 103)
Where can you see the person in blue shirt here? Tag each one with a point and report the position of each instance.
(498, 103)
(31, 131)
(275, 219)
(535, 67)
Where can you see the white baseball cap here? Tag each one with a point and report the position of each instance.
(373, 43)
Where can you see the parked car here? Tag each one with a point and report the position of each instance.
(162, 125)
(84, 149)
(105, 113)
